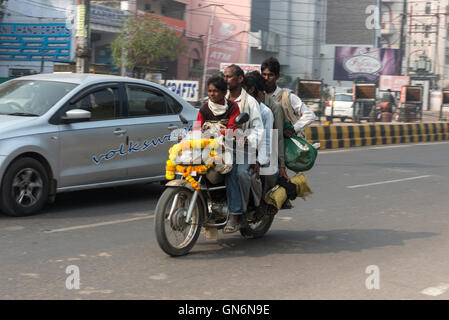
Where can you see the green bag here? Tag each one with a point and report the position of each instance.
(299, 154)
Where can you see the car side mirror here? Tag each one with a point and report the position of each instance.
(76, 115)
(241, 118)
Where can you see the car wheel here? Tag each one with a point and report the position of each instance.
(24, 188)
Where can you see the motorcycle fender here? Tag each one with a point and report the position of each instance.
(180, 183)
(185, 184)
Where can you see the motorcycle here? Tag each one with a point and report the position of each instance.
(182, 211)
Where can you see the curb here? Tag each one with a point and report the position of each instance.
(334, 137)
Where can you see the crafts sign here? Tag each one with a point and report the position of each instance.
(188, 90)
(366, 64)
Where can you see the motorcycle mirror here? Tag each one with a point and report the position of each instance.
(183, 119)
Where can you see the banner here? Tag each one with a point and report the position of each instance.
(244, 66)
(188, 90)
(364, 64)
(394, 83)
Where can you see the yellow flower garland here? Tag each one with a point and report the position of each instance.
(172, 167)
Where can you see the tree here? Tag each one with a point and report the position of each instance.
(144, 40)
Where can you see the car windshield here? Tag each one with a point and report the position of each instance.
(31, 97)
(343, 97)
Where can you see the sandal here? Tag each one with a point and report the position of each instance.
(231, 227)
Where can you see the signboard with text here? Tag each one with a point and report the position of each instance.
(27, 42)
(188, 90)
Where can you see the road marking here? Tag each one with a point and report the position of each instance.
(394, 146)
(436, 291)
(100, 224)
(385, 182)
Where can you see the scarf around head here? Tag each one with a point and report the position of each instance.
(218, 109)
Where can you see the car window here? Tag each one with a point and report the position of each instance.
(31, 96)
(103, 104)
(176, 107)
(343, 97)
(144, 102)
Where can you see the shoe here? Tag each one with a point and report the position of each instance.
(232, 226)
(287, 205)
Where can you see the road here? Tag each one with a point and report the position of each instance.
(377, 211)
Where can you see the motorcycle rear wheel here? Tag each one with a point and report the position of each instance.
(257, 229)
(185, 234)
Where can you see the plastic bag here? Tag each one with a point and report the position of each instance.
(299, 154)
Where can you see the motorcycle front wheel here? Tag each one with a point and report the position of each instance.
(257, 229)
(175, 236)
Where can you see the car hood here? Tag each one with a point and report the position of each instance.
(8, 122)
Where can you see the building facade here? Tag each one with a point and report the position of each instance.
(39, 34)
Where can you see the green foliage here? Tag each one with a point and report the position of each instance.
(145, 40)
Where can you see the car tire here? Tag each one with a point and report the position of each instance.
(25, 188)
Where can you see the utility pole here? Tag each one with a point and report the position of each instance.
(83, 36)
(402, 39)
(206, 58)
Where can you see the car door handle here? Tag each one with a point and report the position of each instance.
(172, 127)
(119, 131)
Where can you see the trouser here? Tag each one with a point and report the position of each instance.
(268, 182)
(238, 188)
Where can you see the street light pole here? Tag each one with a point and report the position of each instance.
(206, 58)
(82, 36)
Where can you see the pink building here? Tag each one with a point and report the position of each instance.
(229, 36)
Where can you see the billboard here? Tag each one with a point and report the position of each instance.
(229, 33)
(364, 64)
(27, 42)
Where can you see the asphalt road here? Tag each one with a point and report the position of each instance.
(381, 210)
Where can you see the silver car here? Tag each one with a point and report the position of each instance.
(64, 132)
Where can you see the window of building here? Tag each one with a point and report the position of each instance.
(427, 29)
(428, 7)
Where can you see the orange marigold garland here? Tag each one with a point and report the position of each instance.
(171, 167)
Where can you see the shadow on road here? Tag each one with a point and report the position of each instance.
(100, 202)
(304, 242)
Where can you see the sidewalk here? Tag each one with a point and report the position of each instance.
(428, 117)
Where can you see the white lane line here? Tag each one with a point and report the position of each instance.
(100, 224)
(436, 291)
(392, 146)
(385, 182)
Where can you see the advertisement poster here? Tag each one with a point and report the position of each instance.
(364, 64)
